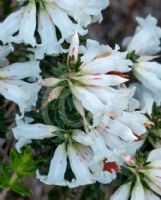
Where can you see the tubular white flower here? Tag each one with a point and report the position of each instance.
(10, 26)
(119, 129)
(120, 98)
(135, 121)
(27, 25)
(133, 147)
(78, 164)
(81, 171)
(46, 29)
(101, 80)
(57, 169)
(145, 97)
(149, 74)
(127, 125)
(88, 100)
(91, 10)
(25, 133)
(146, 40)
(145, 44)
(21, 70)
(80, 137)
(99, 147)
(21, 92)
(105, 61)
(21, 25)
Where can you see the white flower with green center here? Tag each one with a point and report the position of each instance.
(148, 178)
(21, 25)
(93, 79)
(14, 88)
(142, 48)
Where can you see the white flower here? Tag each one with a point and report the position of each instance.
(77, 149)
(92, 82)
(19, 91)
(84, 159)
(135, 121)
(149, 74)
(145, 97)
(79, 167)
(148, 181)
(25, 133)
(99, 147)
(123, 129)
(21, 25)
(151, 171)
(146, 40)
(78, 164)
(57, 169)
(142, 47)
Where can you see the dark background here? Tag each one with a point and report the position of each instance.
(119, 19)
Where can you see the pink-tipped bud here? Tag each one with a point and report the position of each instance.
(129, 160)
(74, 49)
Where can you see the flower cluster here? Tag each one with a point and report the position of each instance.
(111, 107)
(147, 178)
(21, 26)
(146, 71)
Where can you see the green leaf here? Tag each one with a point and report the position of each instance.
(14, 159)
(20, 190)
(4, 169)
(4, 176)
(22, 163)
(126, 172)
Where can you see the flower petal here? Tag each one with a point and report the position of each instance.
(82, 173)
(123, 191)
(57, 169)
